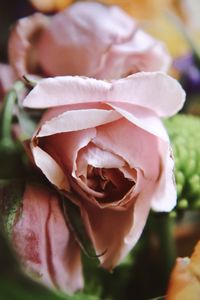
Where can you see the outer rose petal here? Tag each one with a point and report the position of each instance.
(21, 43)
(185, 281)
(44, 243)
(140, 53)
(140, 89)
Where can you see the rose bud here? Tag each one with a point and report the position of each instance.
(104, 145)
(94, 40)
(43, 242)
(185, 278)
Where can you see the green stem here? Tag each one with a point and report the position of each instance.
(164, 227)
(6, 114)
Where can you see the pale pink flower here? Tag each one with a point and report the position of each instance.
(88, 39)
(44, 243)
(104, 145)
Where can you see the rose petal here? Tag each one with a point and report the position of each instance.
(140, 88)
(165, 192)
(75, 120)
(165, 195)
(98, 158)
(65, 146)
(137, 147)
(21, 43)
(50, 168)
(143, 118)
(44, 243)
(138, 53)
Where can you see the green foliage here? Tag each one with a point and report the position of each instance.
(184, 132)
(11, 193)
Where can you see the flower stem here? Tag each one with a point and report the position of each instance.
(164, 225)
(6, 115)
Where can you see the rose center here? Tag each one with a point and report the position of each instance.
(109, 182)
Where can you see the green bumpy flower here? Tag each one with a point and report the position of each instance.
(184, 132)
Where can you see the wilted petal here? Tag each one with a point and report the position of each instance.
(44, 243)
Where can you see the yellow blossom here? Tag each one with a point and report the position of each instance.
(185, 278)
(50, 5)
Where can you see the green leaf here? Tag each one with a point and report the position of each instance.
(28, 123)
(11, 194)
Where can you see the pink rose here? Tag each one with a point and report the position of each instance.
(104, 145)
(88, 39)
(44, 243)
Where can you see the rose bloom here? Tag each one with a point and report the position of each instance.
(94, 40)
(42, 240)
(103, 144)
(185, 278)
